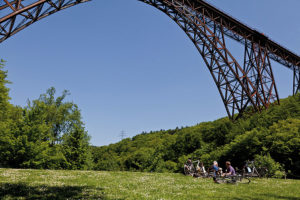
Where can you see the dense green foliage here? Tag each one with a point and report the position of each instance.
(63, 184)
(271, 137)
(48, 133)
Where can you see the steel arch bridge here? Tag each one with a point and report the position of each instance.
(241, 85)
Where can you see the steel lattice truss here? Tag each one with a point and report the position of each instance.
(258, 69)
(241, 85)
(296, 80)
(19, 14)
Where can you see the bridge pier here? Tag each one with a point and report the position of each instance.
(258, 68)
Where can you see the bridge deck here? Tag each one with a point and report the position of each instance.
(235, 29)
(239, 31)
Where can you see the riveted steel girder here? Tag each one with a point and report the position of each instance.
(258, 68)
(19, 14)
(225, 70)
(296, 81)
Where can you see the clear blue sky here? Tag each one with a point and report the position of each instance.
(129, 67)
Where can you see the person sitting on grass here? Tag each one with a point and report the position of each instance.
(216, 171)
(189, 168)
(201, 169)
(230, 170)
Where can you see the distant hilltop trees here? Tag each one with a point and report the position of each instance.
(271, 137)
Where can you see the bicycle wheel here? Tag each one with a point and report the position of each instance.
(263, 172)
(244, 180)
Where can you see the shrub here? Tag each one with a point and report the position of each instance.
(274, 169)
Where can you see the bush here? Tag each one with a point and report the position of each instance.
(274, 169)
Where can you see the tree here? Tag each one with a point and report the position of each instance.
(57, 115)
(76, 148)
(58, 123)
(47, 133)
(7, 125)
(4, 93)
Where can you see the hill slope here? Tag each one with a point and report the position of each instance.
(272, 137)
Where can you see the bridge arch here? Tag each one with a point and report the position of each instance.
(237, 89)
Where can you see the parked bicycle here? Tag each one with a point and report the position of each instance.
(195, 169)
(235, 179)
(250, 170)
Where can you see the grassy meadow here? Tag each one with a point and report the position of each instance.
(50, 184)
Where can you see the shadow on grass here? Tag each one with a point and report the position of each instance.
(274, 196)
(267, 196)
(21, 190)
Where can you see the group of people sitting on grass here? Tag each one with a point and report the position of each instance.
(190, 170)
(215, 170)
(218, 171)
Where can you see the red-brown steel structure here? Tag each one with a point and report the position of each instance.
(250, 84)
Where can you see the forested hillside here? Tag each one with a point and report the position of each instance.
(272, 138)
(49, 133)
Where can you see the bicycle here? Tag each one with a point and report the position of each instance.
(197, 172)
(251, 170)
(234, 179)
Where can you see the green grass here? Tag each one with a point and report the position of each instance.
(48, 184)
